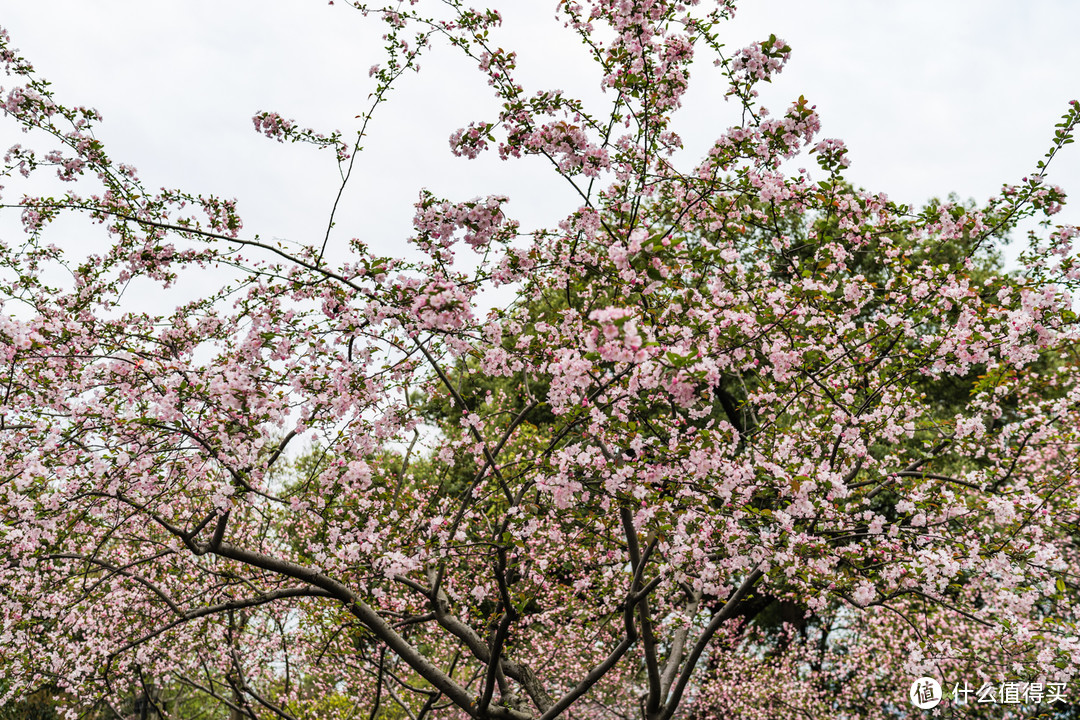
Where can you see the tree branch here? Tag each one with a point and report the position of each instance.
(652, 668)
(706, 635)
(372, 620)
(603, 668)
(678, 645)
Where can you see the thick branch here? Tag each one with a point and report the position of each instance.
(294, 592)
(652, 667)
(706, 635)
(604, 667)
(678, 645)
(219, 531)
(371, 619)
(501, 633)
(521, 673)
(591, 679)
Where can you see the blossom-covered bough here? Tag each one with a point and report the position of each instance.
(748, 443)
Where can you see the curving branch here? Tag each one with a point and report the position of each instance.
(719, 619)
(374, 622)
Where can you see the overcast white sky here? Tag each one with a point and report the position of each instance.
(930, 96)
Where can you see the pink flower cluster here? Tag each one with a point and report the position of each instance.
(758, 62)
(482, 220)
(441, 305)
(617, 338)
(273, 125)
(470, 141)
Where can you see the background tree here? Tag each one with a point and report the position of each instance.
(707, 405)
